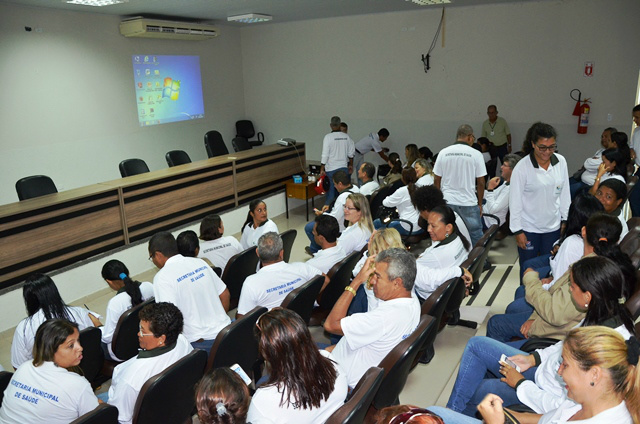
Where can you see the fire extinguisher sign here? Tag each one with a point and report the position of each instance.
(588, 69)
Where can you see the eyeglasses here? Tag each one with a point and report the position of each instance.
(141, 334)
(544, 148)
(349, 209)
(151, 256)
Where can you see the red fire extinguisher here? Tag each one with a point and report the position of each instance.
(583, 121)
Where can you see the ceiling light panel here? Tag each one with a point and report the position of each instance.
(430, 2)
(96, 2)
(250, 18)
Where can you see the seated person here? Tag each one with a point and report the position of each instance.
(395, 173)
(424, 172)
(296, 391)
(611, 193)
(343, 185)
(43, 302)
(368, 337)
(215, 246)
(270, 285)
(191, 285)
(189, 246)
(222, 397)
(613, 166)
(443, 259)
(587, 174)
(162, 346)
(130, 293)
(496, 198)
(59, 394)
(365, 174)
(402, 200)
(360, 226)
(256, 224)
(325, 233)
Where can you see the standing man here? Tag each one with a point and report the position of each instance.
(634, 199)
(459, 173)
(365, 175)
(191, 285)
(371, 143)
(497, 131)
(337, 155)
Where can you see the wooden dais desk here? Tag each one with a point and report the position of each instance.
(304, 191)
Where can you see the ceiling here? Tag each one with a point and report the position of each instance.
(217, 11)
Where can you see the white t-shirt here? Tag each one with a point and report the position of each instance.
(425, 180)
(369, 143)
(117, 306)
(25, 334)
(46, 394)
(191, 285)
(458, 166)
(325, 259)
(251, 235)
(129, 377)
(338, 206)
(220, 250)
(370, 336)
(497, 203)
(271, 284)
(618, 415)
(265, 404)
(368, 188)
(337, 148)
(401, 200)
(591, 168)
(570, 251)
(353, 238)
(438, 263)
(635, 144)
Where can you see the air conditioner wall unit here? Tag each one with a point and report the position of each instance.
(152, 28)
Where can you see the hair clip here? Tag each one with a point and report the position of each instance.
(603, 239)
(221, 409)
(622, 300)
(122, 275)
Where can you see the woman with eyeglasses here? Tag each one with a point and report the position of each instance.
(162, 345)
(304, 385)
(256, 224)
(358, 215)
(45, 390)
(539, 198)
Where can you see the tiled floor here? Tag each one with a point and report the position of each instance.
(428, 384)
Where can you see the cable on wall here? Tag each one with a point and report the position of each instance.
(425, 58)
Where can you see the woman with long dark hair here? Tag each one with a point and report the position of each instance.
(45, 390)
(43, 302)
(256, 224)
(215, 246)
(129, 294)
(613, 166)
(305, 385)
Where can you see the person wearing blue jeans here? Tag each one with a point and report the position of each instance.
(333, 193)
(337, 155)
(537, 244)
(377, 224)
(471, 217)
(479, 374)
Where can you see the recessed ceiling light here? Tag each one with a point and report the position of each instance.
(96, 2)
(430, 2)
(250, 18)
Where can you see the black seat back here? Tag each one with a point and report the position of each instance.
(35, 186)
(238, 268)
(103, 414)
(92, 354)
(5, 378)
(375, 203)
(177, 157)
(124, 343)
(301, 299)
(129, 167)
(474, 266)
(288, 237)
(355, 409)
(169, 397)
(240, 144)
(244, 128)
(214, 144)
(340, 277)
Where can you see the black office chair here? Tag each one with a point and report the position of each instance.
(452, 310)
(214, 144)
(92, 356)
(5, 378)
(355, 409)
(129, 167)
(301, 299)
(244, 128)
(177, 157)
(238, 268)
(240, 144)
(169, 397)
(288, 237)
(35, 186)
(383, 170)
(103, 414)
(237, 344)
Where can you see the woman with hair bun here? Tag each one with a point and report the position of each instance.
(222, 398)
(129, 294)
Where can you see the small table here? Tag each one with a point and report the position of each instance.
(303, 191)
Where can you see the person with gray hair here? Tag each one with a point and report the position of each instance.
(337, 155)
(459, 173)
(270, 285)
(496, 198)
(369, 336)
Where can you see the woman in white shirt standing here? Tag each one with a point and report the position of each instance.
(357, 233)
(257, 224)
(402, 199)
(305, 385)
(539, 198)
(130, 293)
(43, 302)
(215, 246)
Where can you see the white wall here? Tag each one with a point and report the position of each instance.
(68, 107)
(524, 57)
